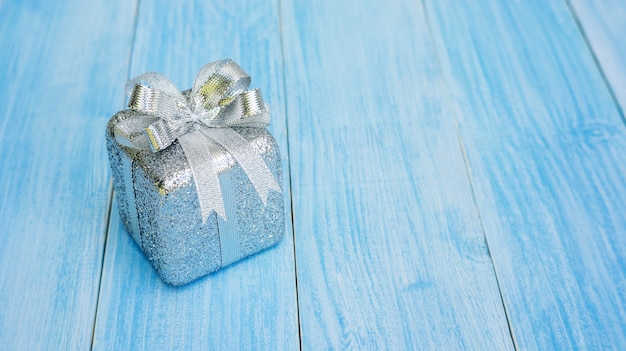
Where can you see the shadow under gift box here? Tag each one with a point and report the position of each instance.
(170, 229)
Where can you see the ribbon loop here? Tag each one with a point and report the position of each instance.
(158, 82)
(218, 83)
(201, 121)
(160, 135)
(243, 106)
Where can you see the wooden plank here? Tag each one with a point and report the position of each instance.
(390, 250)
(248, 306)
(62, 63)
(604, 25)
(547, 151)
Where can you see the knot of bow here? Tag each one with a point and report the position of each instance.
(201, 120)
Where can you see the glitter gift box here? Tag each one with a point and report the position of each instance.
(158, 190)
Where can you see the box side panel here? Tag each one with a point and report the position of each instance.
(179, 246)
(259, 226)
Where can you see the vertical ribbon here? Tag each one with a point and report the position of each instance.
(129, 188)
(229, 227)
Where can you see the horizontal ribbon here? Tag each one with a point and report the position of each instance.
(202, 121)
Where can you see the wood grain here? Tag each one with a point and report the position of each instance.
(604, 25)
(248, 306)
(390, 250)
(547, 152)
(417, 136)
(62, 64)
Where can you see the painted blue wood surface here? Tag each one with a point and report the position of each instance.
(62, 63)
(390, 250)
(252, 304)
(547, 151)
(435, 146)
(604, 24)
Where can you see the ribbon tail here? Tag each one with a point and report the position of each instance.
(198, 150)
(252, 164)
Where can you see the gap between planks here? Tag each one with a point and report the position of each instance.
(468, 171)
(596, 61)
(293, 222)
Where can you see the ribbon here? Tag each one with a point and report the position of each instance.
(201, 120)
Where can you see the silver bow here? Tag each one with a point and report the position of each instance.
(202, 122)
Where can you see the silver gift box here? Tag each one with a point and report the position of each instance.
(170, 229)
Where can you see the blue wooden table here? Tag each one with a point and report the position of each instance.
(456, 175)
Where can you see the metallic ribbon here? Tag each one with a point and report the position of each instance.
(202, 123)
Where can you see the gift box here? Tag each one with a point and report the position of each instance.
(196, 174)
